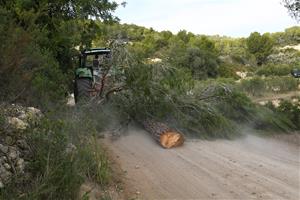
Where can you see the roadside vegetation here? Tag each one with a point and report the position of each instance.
(63, 152)
(201, 85)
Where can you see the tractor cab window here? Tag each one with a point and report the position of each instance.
(93, 61)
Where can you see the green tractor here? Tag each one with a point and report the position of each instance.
(90, 72)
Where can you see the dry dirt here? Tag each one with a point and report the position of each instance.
(247, 168)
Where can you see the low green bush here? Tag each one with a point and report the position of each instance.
(258, 86)
(291, 110)
(228, 71)
(267, 120)
(274, 70)
(281, 84)
(255, 86)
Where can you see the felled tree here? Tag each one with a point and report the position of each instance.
(162, 93)
(169, 95)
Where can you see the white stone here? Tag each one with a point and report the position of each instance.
(7, 166)
(17, 123)
(13, 154)
(3, 148)
(242, 75)
(20, 165)
(34, 111)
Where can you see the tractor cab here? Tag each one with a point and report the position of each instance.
(92, 63)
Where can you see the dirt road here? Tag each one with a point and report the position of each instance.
(248, 168)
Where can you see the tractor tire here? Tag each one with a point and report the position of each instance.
(82, 88)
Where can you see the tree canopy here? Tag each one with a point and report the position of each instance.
(293, 7)
(260, 46)
(43, 35)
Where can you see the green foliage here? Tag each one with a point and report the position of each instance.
(64, 153)
(39, 40)
(199, 57)
(274, 70)
(291, 36)
(228, 71)
(151, 87)
(268, 120)
(254, 86)
(56, 172)
(260, 46)
(237, 107)
(281, 84)
(293, 7)
(258, 86)
(94, 163)
(291, 110)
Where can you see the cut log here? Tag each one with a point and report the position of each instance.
(164, 135)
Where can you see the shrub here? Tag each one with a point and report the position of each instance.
(255, 86)
(237, 106)
(274, 70)
(291, 111)
(258, 86)
(64, 152)
(281, 84)
(266, 119)
(228, 71)
(29, 73)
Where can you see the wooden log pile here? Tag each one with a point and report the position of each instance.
(164, 135)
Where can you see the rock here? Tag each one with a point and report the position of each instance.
(7, 166)
(20, 165)
(9, 140)
(17, 123)
(33, 113)
(1, 184)
(22, 115)
(5, 175)
(13, 153)
(3, 149)
(4, 158)
(22, 144)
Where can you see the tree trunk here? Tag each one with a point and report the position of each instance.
(164, 135)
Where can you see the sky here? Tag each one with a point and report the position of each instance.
(235, 18)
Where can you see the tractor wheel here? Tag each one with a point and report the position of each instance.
(82, 88)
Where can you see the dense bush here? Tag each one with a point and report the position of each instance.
(255, 86)
(274, 70)
(228, 71)
(260, 46)
(290, 110)
(64, 152)
(281, 84)
(258, 86)
(38, 45)
(28, 73)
